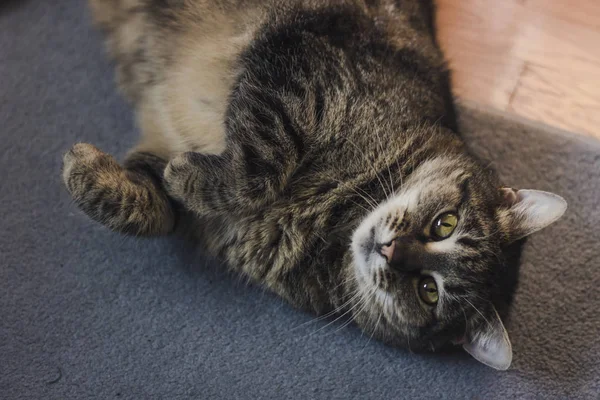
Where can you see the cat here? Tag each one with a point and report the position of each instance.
(316, 146)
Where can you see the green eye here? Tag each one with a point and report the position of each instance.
(444, 225)
(428, 291)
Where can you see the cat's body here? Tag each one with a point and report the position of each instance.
(317, 128)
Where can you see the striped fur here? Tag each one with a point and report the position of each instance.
(293, 134)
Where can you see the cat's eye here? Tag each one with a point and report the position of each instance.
(428, 291)
(444, 225)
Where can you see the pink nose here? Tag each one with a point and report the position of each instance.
(388, 251)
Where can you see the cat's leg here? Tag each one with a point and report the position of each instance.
(128, 198)
(233, 182)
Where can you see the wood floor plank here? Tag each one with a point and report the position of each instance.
(548, 95)
(479, 48)
(580, 12)
(536, 58)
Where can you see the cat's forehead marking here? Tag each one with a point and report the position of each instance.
(441, 167)
(435, 176)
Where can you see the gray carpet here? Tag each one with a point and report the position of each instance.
(85, 313)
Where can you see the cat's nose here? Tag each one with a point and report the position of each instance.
(393, 250)
(399, 254)
(387, 250)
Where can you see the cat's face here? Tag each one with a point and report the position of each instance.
(425, 259)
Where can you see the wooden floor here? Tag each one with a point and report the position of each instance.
(536, 58)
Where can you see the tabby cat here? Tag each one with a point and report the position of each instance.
(315, 143)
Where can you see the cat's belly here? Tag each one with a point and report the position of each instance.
(186, 110)
(172, 125)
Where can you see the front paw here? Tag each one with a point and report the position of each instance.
(82, 164)
(123, 200)
(180, 175)
(195, 180)
(90, 176)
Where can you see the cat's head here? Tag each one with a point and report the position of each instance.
(425, 261)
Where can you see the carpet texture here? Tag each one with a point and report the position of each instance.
(85, 313)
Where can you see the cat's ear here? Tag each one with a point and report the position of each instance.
(524, 212)
(489, 344)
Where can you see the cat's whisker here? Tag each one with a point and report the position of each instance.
(344, 282)
(486, 236)
(466, 321)
(330, 313)
(376, 323)
(372, 202)
(360, 205)
(333, 321)
(479, 312)
(399, 172)
(380, 144)
(366, 301)
(459, 297)
(363, 303)
(387, 195)
(358, 304)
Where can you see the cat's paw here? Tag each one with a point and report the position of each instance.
(93, 179)
(180, 175)
(123, 200)
(83, 164)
